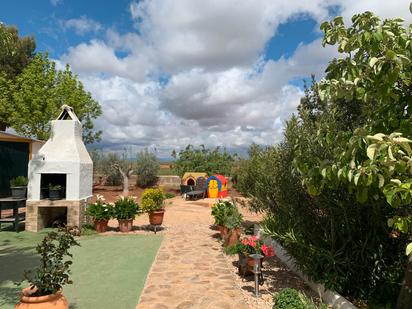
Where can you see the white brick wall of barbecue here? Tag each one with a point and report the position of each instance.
(63, 153)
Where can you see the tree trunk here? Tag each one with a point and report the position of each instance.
(405, 295)
(126, 177)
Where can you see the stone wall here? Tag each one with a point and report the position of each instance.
(171, 181)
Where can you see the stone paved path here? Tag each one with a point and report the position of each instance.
(190, 270)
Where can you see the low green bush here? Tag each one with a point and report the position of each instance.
(169, 195)
(292, 299)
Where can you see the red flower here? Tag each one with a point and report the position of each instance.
(245, 242)
(253, 238)
(252, 243)
(267, 251)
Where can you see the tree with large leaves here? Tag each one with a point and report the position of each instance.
(369, 90)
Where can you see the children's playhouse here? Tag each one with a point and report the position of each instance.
(216, 186)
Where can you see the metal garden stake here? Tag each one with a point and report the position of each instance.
(256, 270)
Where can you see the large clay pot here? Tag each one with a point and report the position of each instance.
(101, 225)
(125, 225)
(52, 301)
(232, 237)
(156, 217)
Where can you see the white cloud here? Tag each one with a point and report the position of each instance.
(82, 25)
(56, 2)
(220, 91)
(134, 9)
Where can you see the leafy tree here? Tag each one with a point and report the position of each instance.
(371, 87)
(15, 54)
(201, 159)
(147, 168)
(38, 94)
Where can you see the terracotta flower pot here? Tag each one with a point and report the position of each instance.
(156, 217)
(224, 231)
(232, 237)
(125, 225)
(101, 225)
(52, 301)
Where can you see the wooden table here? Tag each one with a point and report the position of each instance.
(15, 204)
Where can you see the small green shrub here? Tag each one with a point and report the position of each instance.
(288, 299)
(169, 195)
(19, 181)
(125, 208)
(152, 200)
(292, 299)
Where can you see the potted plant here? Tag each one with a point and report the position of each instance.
(54, 191)
(221, 211)
(18, 187)
(101, 212)
(253, 245)
(47, 280)
(152, 203)
(233, 222)
(125, 210)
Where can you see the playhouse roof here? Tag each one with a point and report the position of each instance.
(221, 178)
(194, 175)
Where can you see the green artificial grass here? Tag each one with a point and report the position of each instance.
(107, 271)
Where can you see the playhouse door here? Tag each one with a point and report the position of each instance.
(213, 188)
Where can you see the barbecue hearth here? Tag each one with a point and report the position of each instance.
(62, 163)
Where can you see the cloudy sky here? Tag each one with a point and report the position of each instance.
(172, 72)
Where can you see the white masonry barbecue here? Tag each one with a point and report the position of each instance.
(63, 161)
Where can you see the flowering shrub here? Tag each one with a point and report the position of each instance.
(100, 210)
(253, 245)
(152, 200)
(126, 208)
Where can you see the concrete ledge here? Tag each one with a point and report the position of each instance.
(332, 298)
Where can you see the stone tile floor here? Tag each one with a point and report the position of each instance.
(191, 271)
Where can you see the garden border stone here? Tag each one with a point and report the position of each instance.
(332, 298)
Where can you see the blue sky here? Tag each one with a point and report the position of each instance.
(43, 19)
(168, 73)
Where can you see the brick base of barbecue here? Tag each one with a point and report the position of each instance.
(40, 213)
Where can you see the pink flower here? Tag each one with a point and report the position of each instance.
(245, 242)
(267, 251)
(252, 243)
(253, 238)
